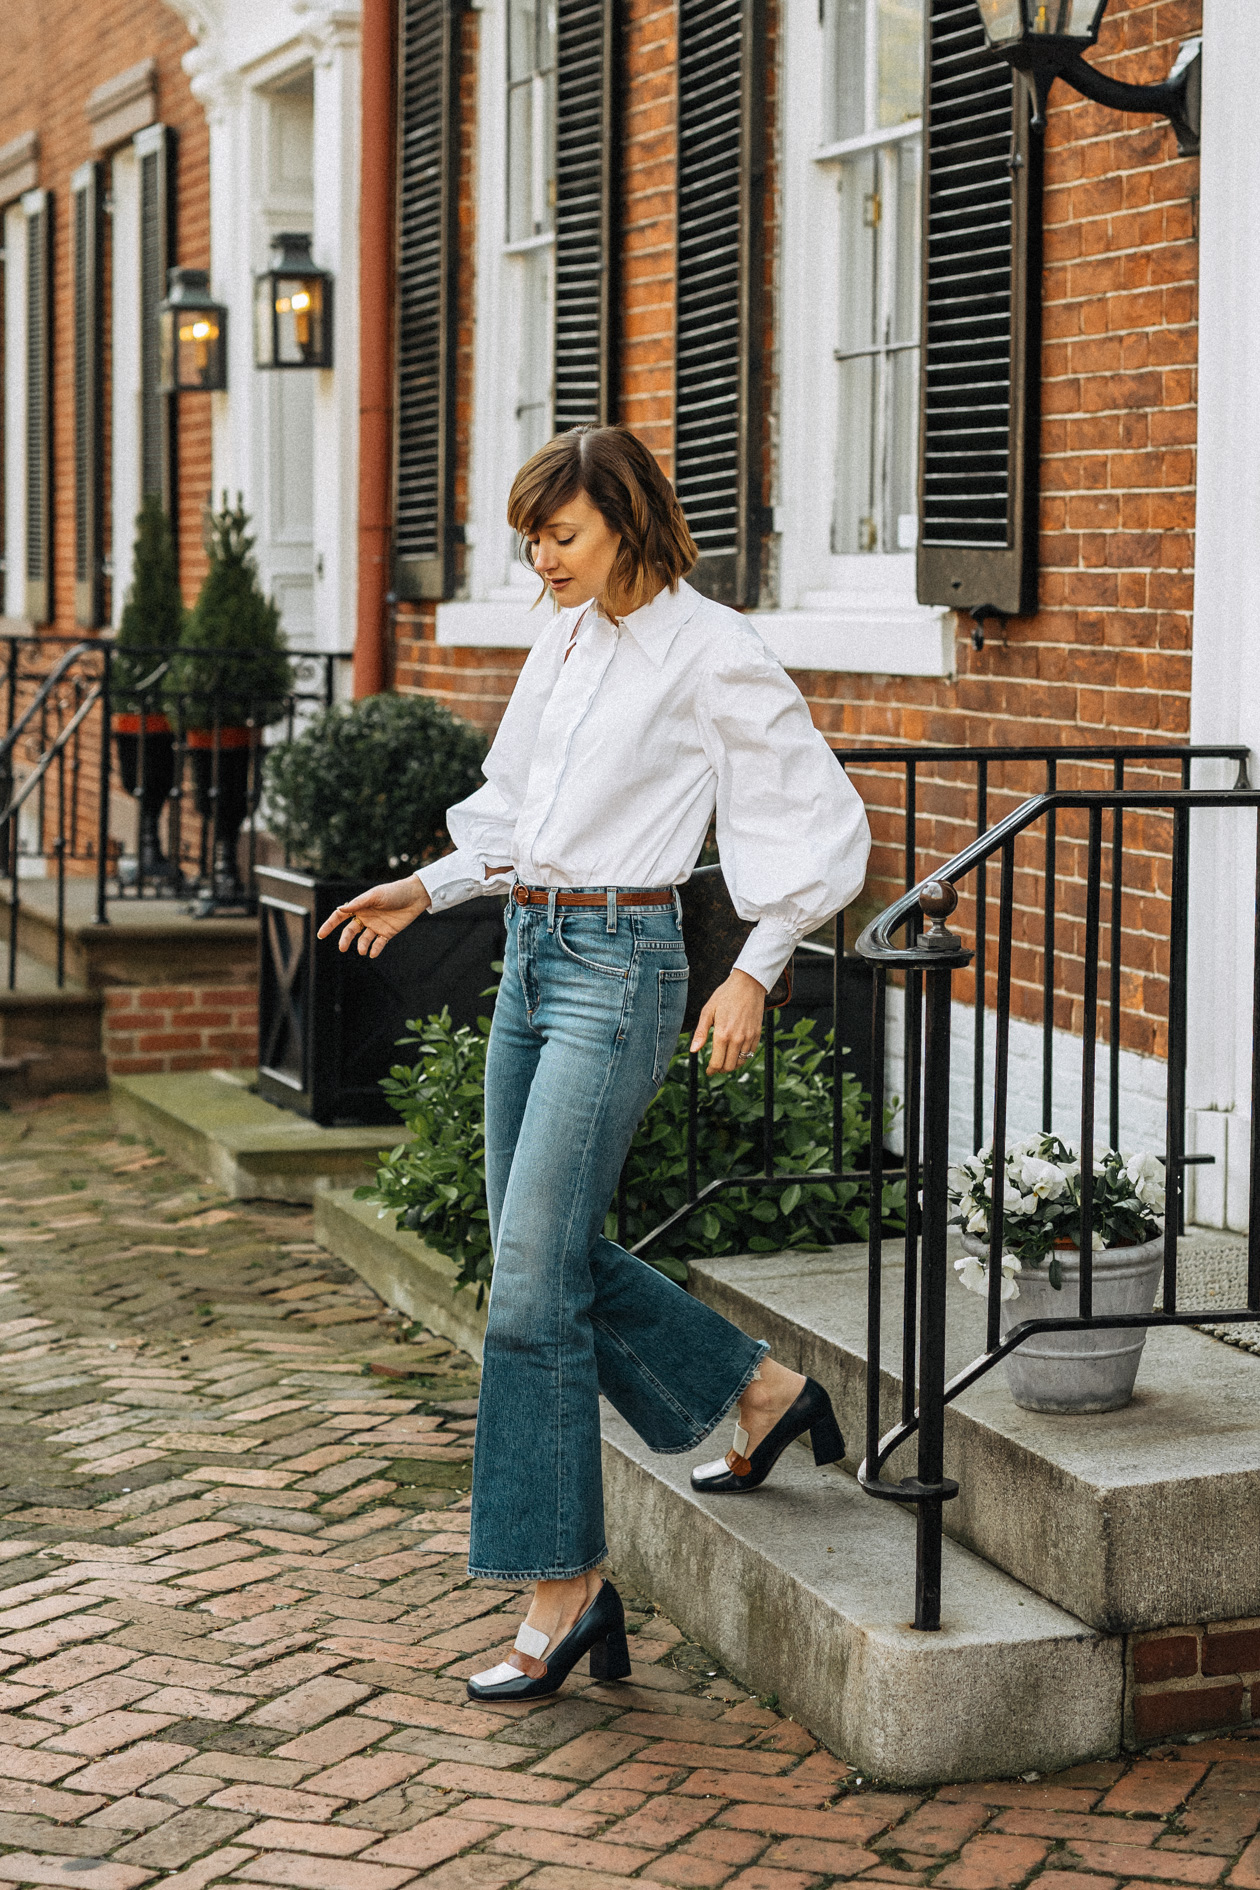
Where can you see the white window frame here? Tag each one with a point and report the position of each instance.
(856, 613)
(496, 612)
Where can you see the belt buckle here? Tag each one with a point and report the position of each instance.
(521, 895)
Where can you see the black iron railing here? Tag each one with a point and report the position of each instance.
(923, 780)
(176, 779)
(928, 961)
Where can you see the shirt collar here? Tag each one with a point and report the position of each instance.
(655, 626)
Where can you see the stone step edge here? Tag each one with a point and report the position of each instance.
(241, 1144)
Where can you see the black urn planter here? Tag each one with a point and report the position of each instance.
(146, 769)
(813, 995)
(329, 1021)
(223, 796)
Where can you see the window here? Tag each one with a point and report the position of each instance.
(531, 203)
(875, 67)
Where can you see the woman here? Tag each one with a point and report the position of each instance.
(641, 711)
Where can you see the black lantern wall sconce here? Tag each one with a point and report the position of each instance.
(1044, 40)
(192, 336)
(293, 308)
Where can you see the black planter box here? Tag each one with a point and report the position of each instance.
(329, 1021)
(813, 996)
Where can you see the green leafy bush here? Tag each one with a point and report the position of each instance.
(153, 614)
(366, 787)
(231, 655)
(435, 1185)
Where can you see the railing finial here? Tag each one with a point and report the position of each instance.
(937, 899)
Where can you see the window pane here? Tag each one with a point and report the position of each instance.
(520, 169)
(847, 22)
(900, 75)
(522, 34)
(533, 407)
(854, 526)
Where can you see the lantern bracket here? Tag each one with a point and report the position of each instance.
(1177, 98)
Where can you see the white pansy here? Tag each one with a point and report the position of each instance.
(978, 1223)
(1042, 1179)
(974, 1275)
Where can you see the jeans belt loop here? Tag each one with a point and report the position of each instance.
(612, 908)
(551, 909)
(678, 909)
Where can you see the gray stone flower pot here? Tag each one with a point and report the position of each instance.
(1066, 1372)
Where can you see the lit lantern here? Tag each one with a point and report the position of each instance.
(192, 336)
(1011, 23)
(293, 308)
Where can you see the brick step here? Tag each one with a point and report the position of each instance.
(50, 1036)
(1096, 1513)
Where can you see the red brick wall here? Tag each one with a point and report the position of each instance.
(52, 61)
(1107, 655)
(150, 1031)
(1193, 1679)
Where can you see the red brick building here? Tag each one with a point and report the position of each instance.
(104, 183)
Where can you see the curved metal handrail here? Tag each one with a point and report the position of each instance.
(42, 694)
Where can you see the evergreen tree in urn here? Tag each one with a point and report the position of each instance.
(150, 628)
(230, 678)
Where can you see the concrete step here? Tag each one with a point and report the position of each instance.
(1095, 1513)
(400, 1268)
(147, 941)
(243, 1145)
(806, 1589)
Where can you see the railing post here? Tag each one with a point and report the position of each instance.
(927, 1594)
(875, 1229)
(102, 812)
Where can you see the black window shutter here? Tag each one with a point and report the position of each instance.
(155, 149)
(586, 148)
(717, 452)
(85, 296)
(38, 206)
(979, 432)
(428, 232)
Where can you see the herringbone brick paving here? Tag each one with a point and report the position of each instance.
(235, 1620)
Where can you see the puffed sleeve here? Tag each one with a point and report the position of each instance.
(483, 826)
(791, 827)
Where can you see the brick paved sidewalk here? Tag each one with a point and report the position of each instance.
(235, 1620)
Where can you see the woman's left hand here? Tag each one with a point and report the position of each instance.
(734, 1015)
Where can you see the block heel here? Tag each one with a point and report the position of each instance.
(735, 1472)
(610, 1658)
(601, 1633)
(827, 1440)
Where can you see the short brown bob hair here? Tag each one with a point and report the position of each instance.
(623, 482)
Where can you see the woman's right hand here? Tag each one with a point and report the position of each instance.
(373, 917)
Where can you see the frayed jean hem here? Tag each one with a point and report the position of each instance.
(536, 1574)
(702, 1430)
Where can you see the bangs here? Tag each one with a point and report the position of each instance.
(547, 481)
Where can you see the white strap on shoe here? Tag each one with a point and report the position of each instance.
(498, 1676)
(741, 1441)
(529, 1640)
(718, 1468)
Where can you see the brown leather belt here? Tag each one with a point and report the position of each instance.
(539, 896)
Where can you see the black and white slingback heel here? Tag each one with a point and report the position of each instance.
(600, 1632)
(739, 1471)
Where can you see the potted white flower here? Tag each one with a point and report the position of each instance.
(1041, 1264)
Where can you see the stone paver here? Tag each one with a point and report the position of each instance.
(235, 1618)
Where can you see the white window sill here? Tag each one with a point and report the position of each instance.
(861, 635)
(503, 621)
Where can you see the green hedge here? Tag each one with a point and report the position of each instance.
(436, 1184)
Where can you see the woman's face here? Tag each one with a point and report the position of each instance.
(574, 551)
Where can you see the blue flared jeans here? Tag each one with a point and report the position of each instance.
(587, 1019)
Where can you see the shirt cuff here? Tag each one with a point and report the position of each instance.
(767, 950)
(459, 876)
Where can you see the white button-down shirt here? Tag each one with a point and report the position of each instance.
(608, 768)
